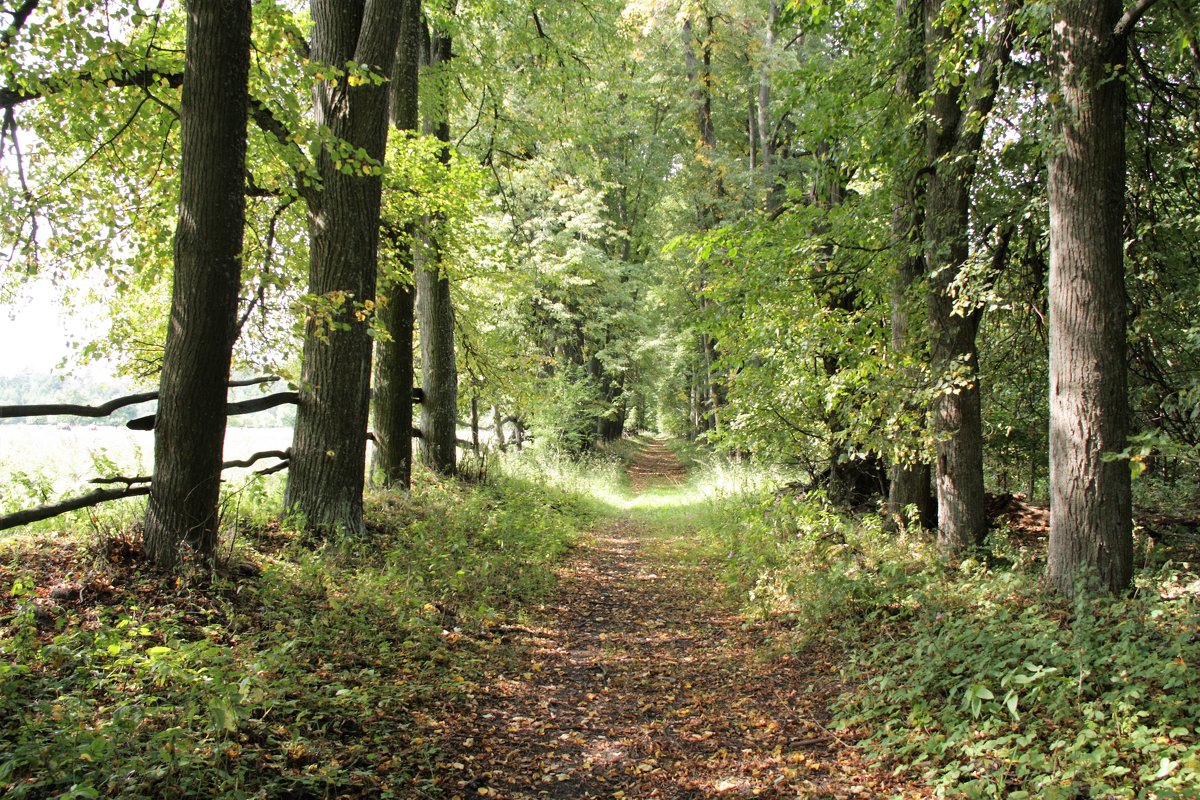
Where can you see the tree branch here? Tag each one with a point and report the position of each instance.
(69, 410)
(231, 409)
(46, 512)
(1125, 24)
(143, 78)
(18, 21)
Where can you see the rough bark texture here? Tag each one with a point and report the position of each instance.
(1090, 524)
(394, 358)
(435, 311)
(327, 474)
(699, 72)
(189, 437)
(954, 135)
(909, 483)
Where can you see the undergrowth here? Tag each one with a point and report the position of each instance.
(298, 670)
(972, 675)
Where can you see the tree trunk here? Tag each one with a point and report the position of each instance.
(394, 357)
(1090, 516)
(435, 309)
(327, 473)
(952, 148)
(909, 480)
(190, 430)
(766, 135)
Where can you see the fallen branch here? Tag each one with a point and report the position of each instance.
(71, 410)
(231, 409)
(46, 512)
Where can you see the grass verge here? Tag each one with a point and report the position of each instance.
(299, 670)
(969, 675)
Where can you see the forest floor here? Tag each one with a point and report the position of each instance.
(640, 680)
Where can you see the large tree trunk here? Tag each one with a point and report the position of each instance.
(439, 371)
(327, 473)
(909, 478)
(394, 357)
(1090, 523)
(190, 430)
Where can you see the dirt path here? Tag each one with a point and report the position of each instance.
(635, 683)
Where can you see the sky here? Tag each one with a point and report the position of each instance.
(33, 331)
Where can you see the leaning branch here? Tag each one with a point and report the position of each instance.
(231, 409)
(1131, 17)
(133, 487)
(283, 455)
(46, 512)
(143, 78)
(69, 410)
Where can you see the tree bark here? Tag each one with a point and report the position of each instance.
(325, 482)
(954, 135)
(435, 309)
(1090, 514)
(189, 437)
(394, 357)
(909, 480)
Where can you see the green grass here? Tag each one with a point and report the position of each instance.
(307, 680)
(969, 675)
(313, 678)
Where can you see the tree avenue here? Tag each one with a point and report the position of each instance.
(886, 243)
(479, 338)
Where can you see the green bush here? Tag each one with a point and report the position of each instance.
(971, 675)
(991, 689)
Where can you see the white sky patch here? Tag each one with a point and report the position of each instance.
(37, 326)
(34, 331)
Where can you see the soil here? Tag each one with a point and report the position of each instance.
(639, 681)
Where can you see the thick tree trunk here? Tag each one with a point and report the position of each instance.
(435, 310)
(189, 436)
(909, 479)
(327, 474)
(1090, 517)
(394, 357)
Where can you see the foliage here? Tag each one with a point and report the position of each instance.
(303, 680)
(990, 690)
(968, 675)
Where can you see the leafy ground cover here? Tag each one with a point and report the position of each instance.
(710, 635)
(639, 678)
(296, 671)
(969, 675)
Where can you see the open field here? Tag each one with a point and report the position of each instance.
(66, 457)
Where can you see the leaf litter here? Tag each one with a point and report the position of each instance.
(638, 681)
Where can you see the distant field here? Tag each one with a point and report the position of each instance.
(70, 455)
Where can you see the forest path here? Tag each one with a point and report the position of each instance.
(639, 681)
